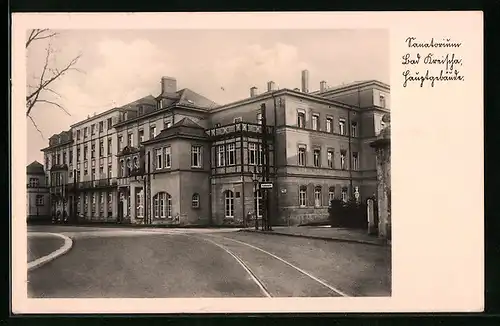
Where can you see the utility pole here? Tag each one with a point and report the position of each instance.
(266, 225)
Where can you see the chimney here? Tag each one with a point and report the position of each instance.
(271, 86)
(322, 86)
(253, 91)
(296, 89)
(168, 85)
(305, 81)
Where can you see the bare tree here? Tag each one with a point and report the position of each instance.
(48, 75)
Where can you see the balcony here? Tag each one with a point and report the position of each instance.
(246, 128)
(97, 184)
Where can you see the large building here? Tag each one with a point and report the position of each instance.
(180, 158)
(37, 194)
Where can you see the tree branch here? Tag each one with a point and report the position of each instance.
(36, 127)
(56, 104)
(36, 34)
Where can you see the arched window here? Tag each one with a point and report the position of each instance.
(302, 196)
(258, 203)
(122, 168)
(136, 162)
(317, 196)
(331, 194)
(344, 194)
(129, 166)
(195, 201)
(229, 203)
(162, 202)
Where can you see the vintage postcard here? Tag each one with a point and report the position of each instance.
(247, 162)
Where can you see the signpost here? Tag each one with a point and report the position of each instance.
(266, 185)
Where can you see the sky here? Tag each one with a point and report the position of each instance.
(120, 66)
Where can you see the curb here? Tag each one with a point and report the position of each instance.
(68, 243)
(319, 238)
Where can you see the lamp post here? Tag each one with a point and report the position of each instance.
(255, 182)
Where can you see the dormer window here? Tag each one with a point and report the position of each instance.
(141, 110)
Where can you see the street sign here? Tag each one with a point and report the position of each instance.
(266, 185)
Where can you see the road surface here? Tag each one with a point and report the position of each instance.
(189, 263)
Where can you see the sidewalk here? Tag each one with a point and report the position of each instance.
(325, 233)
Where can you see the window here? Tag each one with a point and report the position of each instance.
(331, 194)
(252, 153)
(195, 201)
(167, 151)
(354, 129)
(356, 193)
(120, 143)
(101, 199)
(329, 157)
(238, 119)
(162, 205)
(141, 136)
(110, 201)
(258, 203)
(85, 132)
(78, 135)
(70, 158)
(382, 124)
(302, 196)
(229, 204)
(302, 156)
(168, 124)
(85, 152)
(93, 202)
(129, 166)
(101, 148)
(101, 126)
(152, 132)
(34, 182)
(220, 156)
(93, 173)
(317, 158)
(130, 140)
(122, 168)
(196, 156)
(301, 119)
(344, 194)
(58, 159)
(382, 101)
(110, 123)
(259, 118)
(101, 172)
(64, 158)
(315, 122)
(136, 162)
(159, 161)
(78, 152)
(78, 174)
(85, 164)
(342, 126)
(110, 145)
(92, 151)
(110, 171)
(342, 160)
(85, 203)
(231, 154)
(260, 157)
(92, 128)
(39, 200)
(317, 196)
(140, 111)
(355, 160)
(139, 202)
(329, 125)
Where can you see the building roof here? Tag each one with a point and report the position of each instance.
(183, 128)
(35, 168)
(354, 84)
(188, 97)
